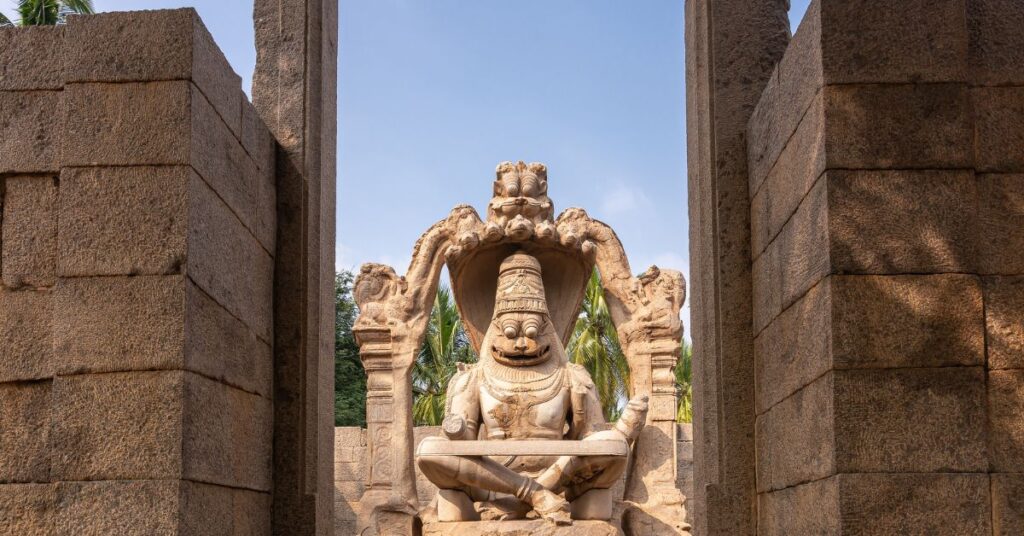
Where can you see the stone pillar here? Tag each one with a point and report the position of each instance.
(294, 91)
(731, 48)
(137, 263)
(887, 214)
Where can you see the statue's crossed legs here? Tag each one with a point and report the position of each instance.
(585, 480)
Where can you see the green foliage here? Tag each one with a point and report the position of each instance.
(349, 376)
(684, 383)
(444, 345)
(47, 12)
(595, 345)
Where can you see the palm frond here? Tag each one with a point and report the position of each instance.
(595, 345)
(4, 21)
(444, 346)
(83, 7)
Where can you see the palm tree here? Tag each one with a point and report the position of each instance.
(595, 345)
(47, 12)
(684, 383)
(445, 345)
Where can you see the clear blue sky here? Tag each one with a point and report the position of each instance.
(434, 93)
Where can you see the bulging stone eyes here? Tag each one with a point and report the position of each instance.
(530, 331)
(510, 332)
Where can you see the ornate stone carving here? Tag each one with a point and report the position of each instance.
(518, 280)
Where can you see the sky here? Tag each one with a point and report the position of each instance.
(433, 94)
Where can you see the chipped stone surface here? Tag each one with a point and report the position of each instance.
(25, 421)
(143, 123)
(123, 220)
(30, 131)
(27, 58)
(117, 426)
(108, 324)
(1004, 322)
(29, 243)
(26, 331)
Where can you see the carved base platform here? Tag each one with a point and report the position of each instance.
(527, 527)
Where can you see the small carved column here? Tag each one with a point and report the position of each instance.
(390, 493)
(652, 479)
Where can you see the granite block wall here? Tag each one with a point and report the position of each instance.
(350, 472)
(887, 204)
(136, 258)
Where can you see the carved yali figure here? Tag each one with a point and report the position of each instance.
(524, 390)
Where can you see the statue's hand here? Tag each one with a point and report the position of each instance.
(633, 418)
(454, 426)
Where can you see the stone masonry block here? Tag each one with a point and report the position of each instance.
(999, 128)
(811, 508)
(107, 324)
(1004, 321)
(1007, 504)
(1000, 219)
(1006, 420)
(118, 426)
(795, 172)
(25, 421)
(795, 261)
(870, 322)
(127, 124)
(30, 231)
(165, 45)
(227, 435)
(122, 507)
(219, 159)
(227, 261)
(220, 346)
(27, 509)
(921, 503)
(261, 147)
(212, 509)
(880, 41)
(25, 329)
(898, 126)
(117, 324)
(26, 58)
(30, 131)
(123, 220)
(996, 42)
(879, 505)
(883, 222)
(907, 321)
(902, 420)
(795, 348)
(795, 82)
(795, 439)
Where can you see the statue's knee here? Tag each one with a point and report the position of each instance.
(438, 468)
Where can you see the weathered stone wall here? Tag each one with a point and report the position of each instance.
(138, 238)
(731, 48)
(886, 167)
(350, 472)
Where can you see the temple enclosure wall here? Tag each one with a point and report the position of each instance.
(137, 262)
(139, 388)
(885, 182)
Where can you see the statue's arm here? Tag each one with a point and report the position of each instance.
(462, 406)
(587, 416)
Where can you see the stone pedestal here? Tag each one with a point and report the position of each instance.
(532, 527)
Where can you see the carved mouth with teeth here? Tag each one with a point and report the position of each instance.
(520, 358)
